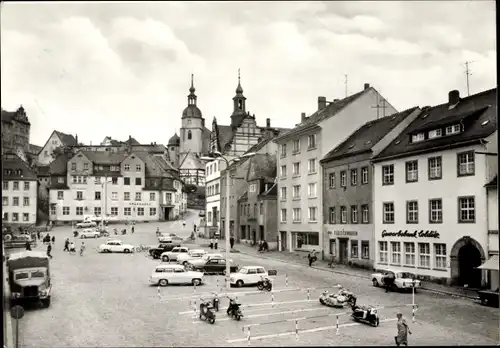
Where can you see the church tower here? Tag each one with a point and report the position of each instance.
(239, 107)
(191, 137)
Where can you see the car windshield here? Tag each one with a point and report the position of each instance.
(22, 275)
(37, 274)
(243, 271)
(405, 275)
(197, 254)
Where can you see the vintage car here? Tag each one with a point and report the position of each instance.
(89, 233)
(173, 254)
(156, 252)
(86, 224)
(164, 238)
(192, 254)
(402, 280)
(248, 275)
(165, 274)
(340, 299)
(211, 264)
(115, 246)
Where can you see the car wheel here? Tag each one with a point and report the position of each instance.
(163, 282)
(196, 282)
(7, 237)
(224, 272)
(211, 320)
(106, 251)
(126, 251)
(239, 283)
(375, 282)
(46, 303)
(165, 259)
(321, 301)
(185, 263)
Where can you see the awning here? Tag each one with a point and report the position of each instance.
(491, 264)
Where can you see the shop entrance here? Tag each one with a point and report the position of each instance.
(166, 214)
(343, 242)
(469, 258)
(283, 240)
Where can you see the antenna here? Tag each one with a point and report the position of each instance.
(345, 83)
(467, 74)
(238, 75)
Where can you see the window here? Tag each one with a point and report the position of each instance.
(126, 167)
(60, 180)
(465, 161)
(26, 201)
(354, 214)
(98, 180)
(15, 186)
(283, 150)
(332, 180)
(354, 249)
(5, 201)
(417, 137)
(453, 129)
(152, 196)
(138, 181)
(138, 168)
(66, 210)
(73, 166)
(79, 195)
(126, 196)
(5, 185)
(114, 181)
(296, 146)
(388, 175)
(52, 210)
(15, 201)
(79, 179)
(436, 211)
(313, 213)
(343, 215)
(396, 253)
(190, 135)
(15, 216)
(365, 249)
(312, 165)
(209, 216)
(412, 171)
(466, 209)
(311, 141)
(261, 208)
(424, 255)
(79, 210)
(5, 217)
(388, 213)
(138, 196)
(311, 189)
(114, 196)
(412, 212)
(296, 168)
(440, 252)
(26, 186)
(382, 250)
(140, 211)
(60, 195)
(343, 178)
(85, 166)
(365, 217)
(283, 171)
(97, 211)
(304, 238)
(253, 188)
(152, 211)
(435, 133)
(126, 181)
(354, 177)
(435, 168)
(296, 214)
(296, 192)
(364, 175)
(409, 254)
(97, 196)
(283, 193)
(127, 211)
(333, 217)
(114, 211)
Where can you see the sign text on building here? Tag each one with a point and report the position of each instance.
(345, 233)
(139, 204)
(414, 234)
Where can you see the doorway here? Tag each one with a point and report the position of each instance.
(254, 236)
(166, 214)
(283, 240)
(343, 242)
(261, 232)
(469, 257)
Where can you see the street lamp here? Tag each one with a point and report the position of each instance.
(214, 155)
(105, 201)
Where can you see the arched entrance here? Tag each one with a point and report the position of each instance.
(466, 255)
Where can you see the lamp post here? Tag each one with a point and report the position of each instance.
(105, 201)
(213, 156)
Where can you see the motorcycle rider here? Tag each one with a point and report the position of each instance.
(389, 281)
(233, 306)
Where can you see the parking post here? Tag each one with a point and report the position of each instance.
(159, 292)
(308, 295)
(217, 280)
(337, 325)
(248, 335)
(286, 280)
(194, 288)
(413, 302)
(272, 300)
(297, 330)
(195, 311)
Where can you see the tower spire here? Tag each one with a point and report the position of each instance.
(239, 89)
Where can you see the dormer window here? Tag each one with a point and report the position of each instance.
(417, 137)
(453, 129)
(436, 133)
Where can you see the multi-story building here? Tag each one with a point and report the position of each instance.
(347, 189)
(56, 140)
(491, 266)
(212, 194)
(300, 175)
(430, 204)
(257, 207)
(132, 185)
(19, 192)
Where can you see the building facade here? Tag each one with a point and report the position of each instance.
(19, 192)
(56, 140)
(300, 205)
(212, 210)
(492, 194)
(347, 189)
(430, 204)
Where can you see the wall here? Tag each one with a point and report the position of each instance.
(31, 209)
(45, 156)
(245, 136)
(195, 144)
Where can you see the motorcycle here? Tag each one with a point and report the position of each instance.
(115, 231)
(265, 284)
(206, 312)
(365, 314)
(233, 310)
(75, 233)
(339, 300)
(124, 231)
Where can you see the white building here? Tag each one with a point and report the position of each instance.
(19, 192)
(212, 210)
(430, 204)
(56, 139)
(300, 176)
(492, 265)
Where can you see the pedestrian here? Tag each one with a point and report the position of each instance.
(72, 248)
(132, 229)
(28, 246)
(49, 249)
(403, 331)
(194, 226)
(183, 223)
(66, 245)
(53, 239)
(389, 281)
(215, 243)
(82, 248)
(312, 257)
(38, 235)
(211, 243)
(265, 247)
(231, 241)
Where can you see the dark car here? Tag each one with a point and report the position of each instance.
(161, 248)
(210, 265)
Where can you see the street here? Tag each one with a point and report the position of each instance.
(105, 300)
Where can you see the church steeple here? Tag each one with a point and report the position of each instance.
(239, 99)
(192, 96)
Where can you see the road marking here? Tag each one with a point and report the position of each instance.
(258, 305)
(237, 293)
(289, 333)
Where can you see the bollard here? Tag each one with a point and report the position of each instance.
(272, 300)
(195, 312)
(194, 288)
(413, 314)
(217, 280)
(297, 330)
(337, 324)
(286, 280)
(308, 295)
(413, 302)
(159, 291)
(248, 335)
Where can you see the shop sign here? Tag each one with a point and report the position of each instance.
(139, 204)
(414, 234)
(341, 233)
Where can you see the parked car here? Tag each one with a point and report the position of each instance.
(116, 246)
(161, 248)
(174, 274)
(248, 275)
(173, 254)
(164, 238)
(192, 254)
(402, 280)
(211, 264)
(89, 233)
(86, 224)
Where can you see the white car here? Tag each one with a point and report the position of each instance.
(191, 255)
(86, 224)
(402, 280)
(172, 255)
(89, 233)
(164, 238)
(174, 274)
(248, 275)
(116, 246)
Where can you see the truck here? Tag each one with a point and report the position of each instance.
(29, 277)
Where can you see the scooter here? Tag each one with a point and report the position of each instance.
(265, 284)
(75, 233)
(365, 314)
(234, 310)
(124, 231)
(206, 313)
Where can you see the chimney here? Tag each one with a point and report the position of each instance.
(367, 85)
(303, 117)
(321, 103)
(76, 139)
(453, 97)
(268, 122)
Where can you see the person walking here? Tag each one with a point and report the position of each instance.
(49, 250)
(403, 331)
(66, 245)
(38, 235)
(82, 248)
(389, 281)
(312, 257)
(194, 227)
(132, 229)
(72, 248)
(231, 242)
(215, 243)
(28, 246)
(53, 239)
(211, 245)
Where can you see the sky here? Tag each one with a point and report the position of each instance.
(120, 69)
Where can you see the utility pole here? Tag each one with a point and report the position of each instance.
(345, 83)
(467, 74)
(378, 107)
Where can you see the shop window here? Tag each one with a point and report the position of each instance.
(395, 253)
(409, 253)
(365, 249)
(301, 239)
(440, 254)
(382, 249)
(354, 249)
(424, 255)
